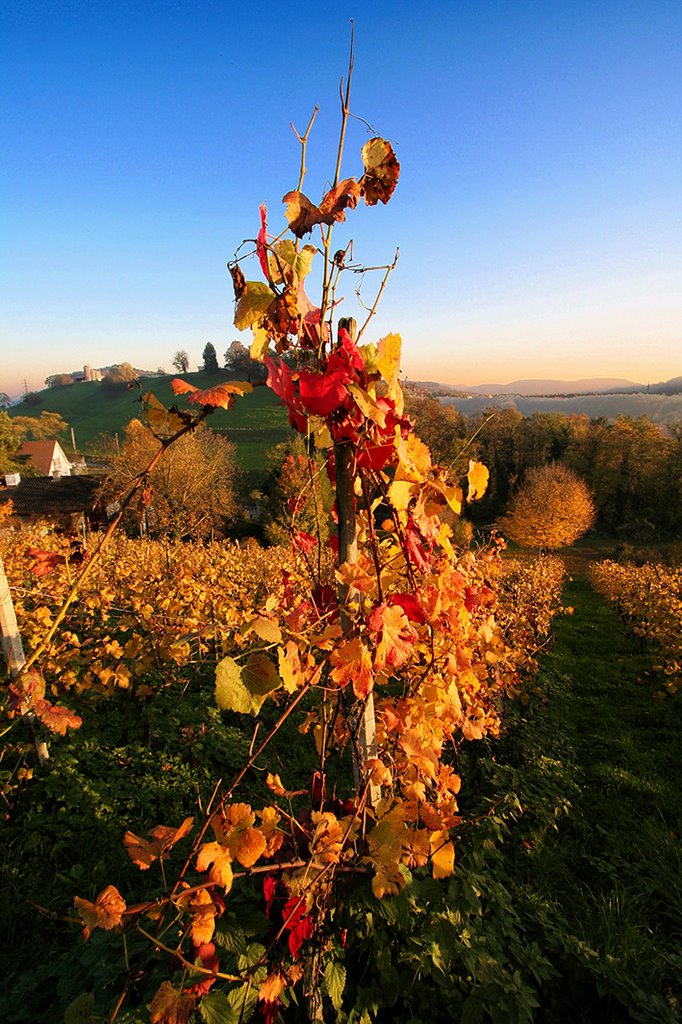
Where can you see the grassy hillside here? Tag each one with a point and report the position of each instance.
(256, 423)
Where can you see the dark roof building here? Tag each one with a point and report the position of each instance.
(42, 497)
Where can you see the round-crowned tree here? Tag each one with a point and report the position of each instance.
(551, 508)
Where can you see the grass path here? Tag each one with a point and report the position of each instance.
(598, 762)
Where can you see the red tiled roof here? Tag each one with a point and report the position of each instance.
(41, 454)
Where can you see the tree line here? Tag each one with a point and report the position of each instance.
(632, 466)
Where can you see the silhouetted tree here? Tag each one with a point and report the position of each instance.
(210, 358)
(181, 361)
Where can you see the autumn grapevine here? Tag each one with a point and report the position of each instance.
(394, 660)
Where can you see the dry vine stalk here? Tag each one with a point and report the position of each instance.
(405, 619)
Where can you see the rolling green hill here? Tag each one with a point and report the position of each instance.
(255, 424)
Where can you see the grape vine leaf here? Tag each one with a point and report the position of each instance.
(244, 688)
(478, 480)
(162, 421)
(382, 171)
(143, 852)
(221, 859)
(252, 304)
(171, 1006)
(222, 396)
(230, 692)
(106, 912)
(335, 982)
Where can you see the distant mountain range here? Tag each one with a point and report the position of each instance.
(589, 386)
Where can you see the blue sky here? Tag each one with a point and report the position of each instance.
(538, 215)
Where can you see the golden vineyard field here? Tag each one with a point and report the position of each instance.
(154, 612)
(649, 599)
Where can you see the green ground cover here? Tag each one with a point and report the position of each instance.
(566, 905)
(596, 762)
(255, 423)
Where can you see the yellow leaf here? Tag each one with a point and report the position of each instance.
(478, 480)
(415, 459)
(259, 345)
(367, 406)
(388, 359)
(442, 855)
(272, 987)
(289, 663)
(266, 629)
(162, 422)
(253, 304)
(400, 494)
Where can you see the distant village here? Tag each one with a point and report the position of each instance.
(90, 373)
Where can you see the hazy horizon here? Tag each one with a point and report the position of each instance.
(538, 212)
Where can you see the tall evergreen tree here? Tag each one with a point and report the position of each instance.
(210, 358)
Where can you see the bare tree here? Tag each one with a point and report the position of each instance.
(181, 361)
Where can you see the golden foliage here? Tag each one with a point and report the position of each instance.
(551, 509)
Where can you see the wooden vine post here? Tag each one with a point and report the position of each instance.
(12, 647)
(13, 650)
(344, 457)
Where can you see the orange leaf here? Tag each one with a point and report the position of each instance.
(220, 857)
(203, 911)
(272, 987)
(143, 852)
(301, 214)
(106, 912)
(57, 718)
(352, 663)
(249, 846)
(222, 396)
(269, 827)
(337, 200)
(396, 636)
(382, 171)
(274, 783)
(171, 1006)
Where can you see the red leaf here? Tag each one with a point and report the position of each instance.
(323, 393)
(300, 927)
(415, 547)
(374, 456)
(262, 240)
(304, 542)
(410, 605)
(57, 718)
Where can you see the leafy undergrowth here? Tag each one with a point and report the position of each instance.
(596, 765)
(566, 904)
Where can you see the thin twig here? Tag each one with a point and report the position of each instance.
(384, 282)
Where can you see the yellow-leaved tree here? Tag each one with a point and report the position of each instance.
(190, 493)
(551, 509)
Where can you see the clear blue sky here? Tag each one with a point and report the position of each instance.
(539, 212)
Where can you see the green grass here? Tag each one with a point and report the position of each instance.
(597, 764)
(580, 906)
(255, 423)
